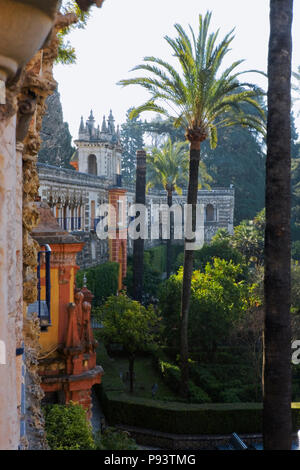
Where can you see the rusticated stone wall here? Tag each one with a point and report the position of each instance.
(38, 84)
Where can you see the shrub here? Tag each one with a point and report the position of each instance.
(102, 281)
(113, 439)
(67, 428)
(197, 395)
(171, 376)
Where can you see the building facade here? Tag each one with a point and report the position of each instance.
(75, 197)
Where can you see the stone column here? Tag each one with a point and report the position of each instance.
(138, 245)
(9, 420)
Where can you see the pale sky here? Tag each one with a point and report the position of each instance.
(122, 32)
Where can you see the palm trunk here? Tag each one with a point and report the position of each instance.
(138, 245)
(277, 426)
(188, 269)
(169, 241)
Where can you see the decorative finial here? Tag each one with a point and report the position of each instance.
(111, 126)
(81, 127)
(103, 128)
(91, 117)
(84, 280)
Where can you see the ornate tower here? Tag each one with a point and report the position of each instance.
(98, 151)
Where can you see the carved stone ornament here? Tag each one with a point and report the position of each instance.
(24, 25)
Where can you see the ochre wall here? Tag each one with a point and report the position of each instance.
(63, 272)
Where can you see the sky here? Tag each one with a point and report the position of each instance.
(122, 32)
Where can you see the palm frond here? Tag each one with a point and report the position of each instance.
(198, 94)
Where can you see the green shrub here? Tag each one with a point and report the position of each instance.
(226, 383)
(113, 439)
(102, 281)
(170, 374)
(67, 428)
(197, 395)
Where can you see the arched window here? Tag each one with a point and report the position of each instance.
(210, 213)
(92, 165)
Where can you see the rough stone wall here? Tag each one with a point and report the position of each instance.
(35, 437)
(10, 371)
(38, 84)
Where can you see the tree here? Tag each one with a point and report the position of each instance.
(56, 148)
(128, 323)
(160, 129)
(168, 167)
(66, 52)
(219, 299)
(277, 424)
(295, 175)
(248, 238)
(132, 140)
(202, 99)
(239, 160)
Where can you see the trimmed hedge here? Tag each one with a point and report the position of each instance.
(102, 281)
(179, 418)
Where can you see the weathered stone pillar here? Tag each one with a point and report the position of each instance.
(118, 229)
(138, 245)
(9, 420)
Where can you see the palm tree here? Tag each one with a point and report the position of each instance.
(201, 99)
(168, 167)
(277, 333)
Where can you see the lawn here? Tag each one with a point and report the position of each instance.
(145, 376)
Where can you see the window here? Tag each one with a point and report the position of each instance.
(210, 213)
(92, 165)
